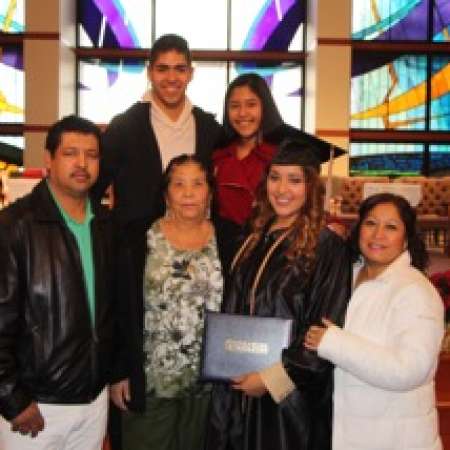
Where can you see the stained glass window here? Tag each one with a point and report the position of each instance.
(441, 21)
(219, 24)
(390, 20)
(12, 16)
(395, 91)
(11, 149)
(389, 92)
(439, 158)
(114, 23)
(267, 25)
(385, 159)
(440, 94)
(108, 86)
(12, 84)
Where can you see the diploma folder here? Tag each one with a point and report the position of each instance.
(235, 344)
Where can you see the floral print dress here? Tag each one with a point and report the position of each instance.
(178, 286)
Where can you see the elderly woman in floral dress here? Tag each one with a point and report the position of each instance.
(181, 277)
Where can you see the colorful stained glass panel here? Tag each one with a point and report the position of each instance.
(12, 84)
(390, 20)
(440, 94)
(12, 16)
(267, 25)
(441, 21)
(114, 23)
(388, 93)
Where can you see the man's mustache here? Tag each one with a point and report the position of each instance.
(83, 173)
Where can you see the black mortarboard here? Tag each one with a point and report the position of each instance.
(322, 149)
(291, 152)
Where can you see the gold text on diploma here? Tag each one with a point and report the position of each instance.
(239, 346)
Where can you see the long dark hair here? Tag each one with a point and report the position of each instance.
(310, 220)
(415, 244)
(271, 118)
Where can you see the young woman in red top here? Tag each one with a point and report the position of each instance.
(250, 114)
(250, 117)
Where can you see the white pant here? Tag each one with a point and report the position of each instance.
(67, 427)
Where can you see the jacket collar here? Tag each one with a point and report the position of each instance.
(46, 209)
(401, 262)
(262, 151)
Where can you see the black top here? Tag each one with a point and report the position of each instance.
(131, 160)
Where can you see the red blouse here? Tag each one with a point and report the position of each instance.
(237, 179)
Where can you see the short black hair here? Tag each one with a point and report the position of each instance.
(67, 124)
(168, 42)
(271, 117)
(416, 246)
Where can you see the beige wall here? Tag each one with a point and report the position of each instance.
(49, 71)
(327, 106)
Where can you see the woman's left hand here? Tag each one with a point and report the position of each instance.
(315, 334)
(250, 384)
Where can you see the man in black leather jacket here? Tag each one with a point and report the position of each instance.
(56, 307)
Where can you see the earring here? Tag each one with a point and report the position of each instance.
(168, 213)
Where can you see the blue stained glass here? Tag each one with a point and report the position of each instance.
(388, 93)
(385, 159)
(441, 21)
(439, 158)
(385, 20)
(12, 16)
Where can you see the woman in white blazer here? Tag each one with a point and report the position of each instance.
(386, 354)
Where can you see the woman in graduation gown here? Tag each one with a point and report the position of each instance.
(290, 266)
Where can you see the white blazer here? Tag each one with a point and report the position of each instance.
(386, 358)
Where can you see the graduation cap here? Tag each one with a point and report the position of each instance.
(322, 148)
(308, 150)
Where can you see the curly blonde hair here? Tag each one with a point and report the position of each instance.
(304, 232)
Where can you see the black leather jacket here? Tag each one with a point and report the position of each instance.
(49, 351)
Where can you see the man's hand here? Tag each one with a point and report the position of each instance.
(28, 421)
(120, 393)
(250, 384)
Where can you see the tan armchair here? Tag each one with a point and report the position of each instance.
(349, 195)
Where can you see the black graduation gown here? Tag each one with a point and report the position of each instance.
(302, 421)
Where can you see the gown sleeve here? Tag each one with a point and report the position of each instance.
(327, 295)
